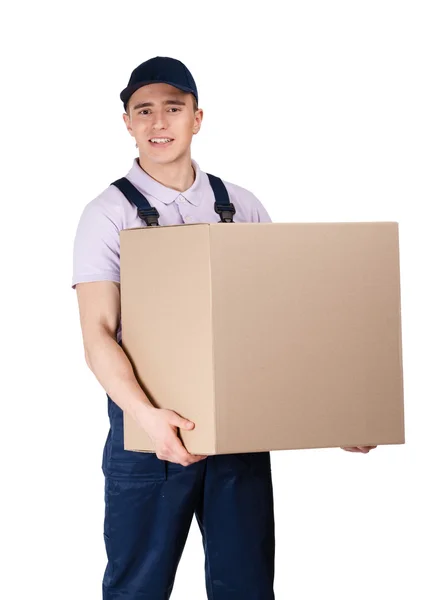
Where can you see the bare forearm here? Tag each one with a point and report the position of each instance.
(110, 365)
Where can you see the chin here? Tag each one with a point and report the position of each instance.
(166, 159)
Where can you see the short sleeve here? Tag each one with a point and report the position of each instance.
(259, 213)
(96, 247)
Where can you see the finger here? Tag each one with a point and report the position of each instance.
(172, 449)
(191, 458)
(363, 449)
(366, 449)
(181, 422)
(180, 454)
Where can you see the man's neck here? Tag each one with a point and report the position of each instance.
(178, 175)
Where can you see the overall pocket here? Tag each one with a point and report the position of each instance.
(120, 463)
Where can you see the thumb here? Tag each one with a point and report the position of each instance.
(179, 421)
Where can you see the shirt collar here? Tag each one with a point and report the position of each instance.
(146, 184)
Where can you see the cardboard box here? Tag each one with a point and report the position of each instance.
(268, 336)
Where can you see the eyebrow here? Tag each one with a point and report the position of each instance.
(166, 102)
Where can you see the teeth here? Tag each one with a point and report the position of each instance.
(160, 140)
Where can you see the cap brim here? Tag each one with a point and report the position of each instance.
(130, 90)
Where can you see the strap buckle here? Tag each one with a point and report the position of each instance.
(149, 215)
(226, 212)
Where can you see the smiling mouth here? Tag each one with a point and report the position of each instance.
(161, 141)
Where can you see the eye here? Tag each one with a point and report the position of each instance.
(144, 110)
(177, 109)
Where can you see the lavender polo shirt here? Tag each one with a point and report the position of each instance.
(96, 245)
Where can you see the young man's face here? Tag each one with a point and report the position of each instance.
(159, 111)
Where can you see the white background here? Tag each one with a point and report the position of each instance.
(327, 111)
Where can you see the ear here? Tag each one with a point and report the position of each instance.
(198, 117)
(127, 123)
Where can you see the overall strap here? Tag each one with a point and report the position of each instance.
(222, 206)
(146, 212)
(150, 214)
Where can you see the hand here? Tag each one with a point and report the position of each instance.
(161, 425)
(363, 449)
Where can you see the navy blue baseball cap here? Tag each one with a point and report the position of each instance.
(160, 69)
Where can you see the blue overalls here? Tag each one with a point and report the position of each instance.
(150, 503)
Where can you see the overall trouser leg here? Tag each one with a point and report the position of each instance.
(235, 515)
(145, 529)
(149, 507)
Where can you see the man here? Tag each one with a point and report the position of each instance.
(150, 499)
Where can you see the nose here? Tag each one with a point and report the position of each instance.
(160, 121)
